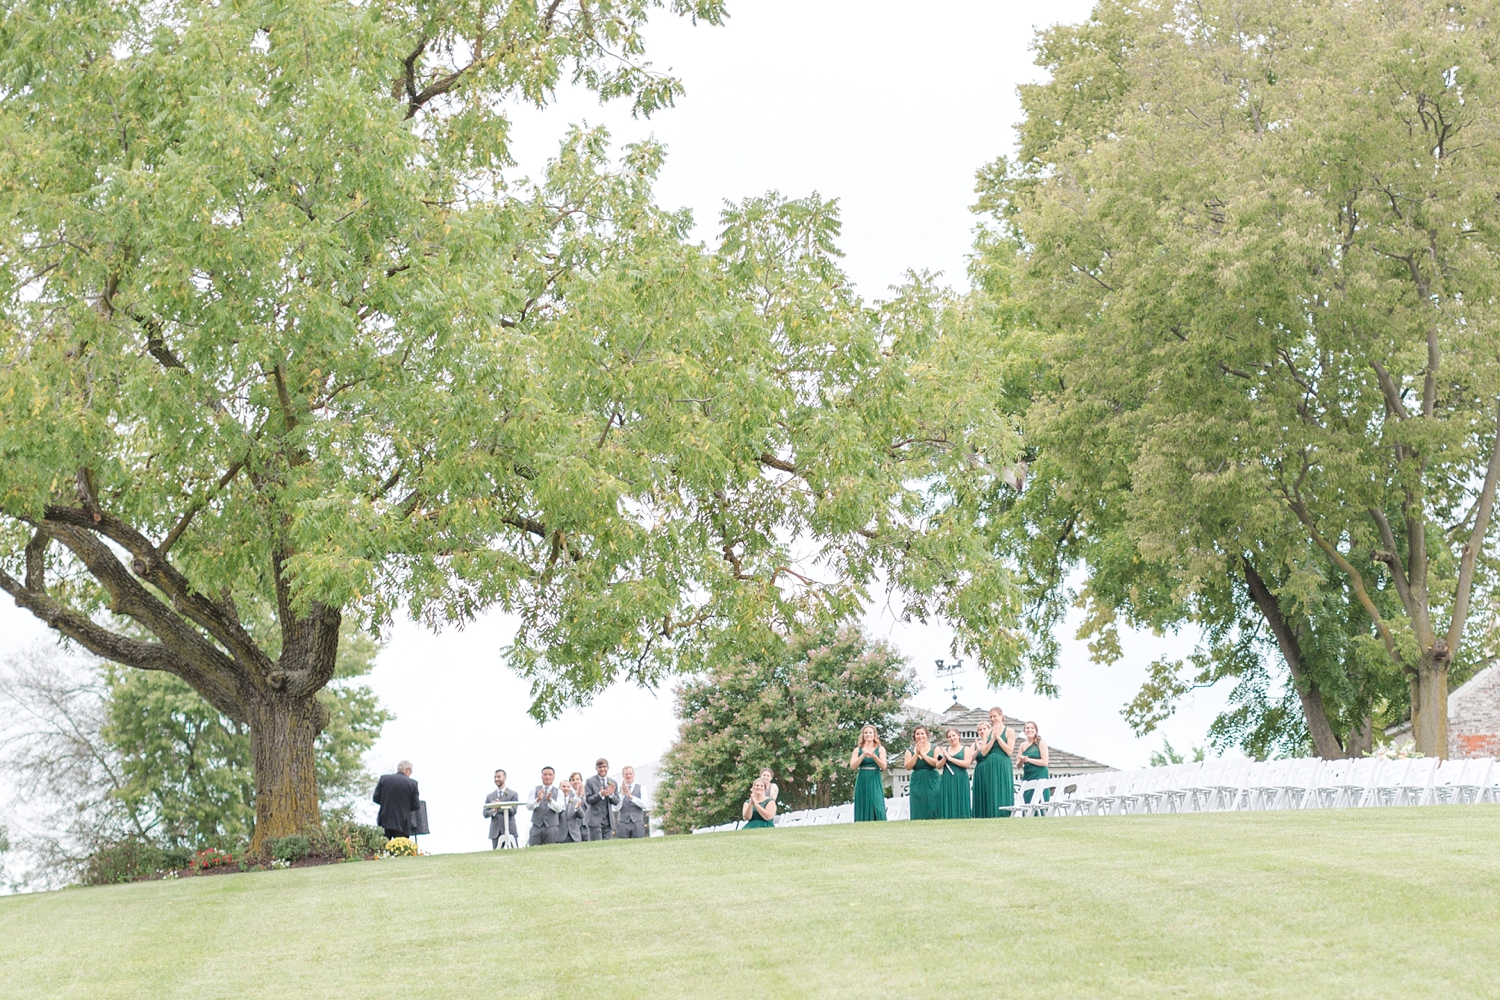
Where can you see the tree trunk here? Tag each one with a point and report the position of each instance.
(1429, 702)
(1325, 742)
(283, 729)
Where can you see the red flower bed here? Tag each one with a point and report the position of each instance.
(211, 858)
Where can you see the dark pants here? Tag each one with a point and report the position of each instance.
(393, 834)
(598, 833)
(631, 827)
(541, 835)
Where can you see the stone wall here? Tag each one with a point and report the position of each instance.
(1474, 717)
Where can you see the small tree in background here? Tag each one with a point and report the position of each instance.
(796, 707)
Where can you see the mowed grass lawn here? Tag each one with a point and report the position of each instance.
(1372, 903)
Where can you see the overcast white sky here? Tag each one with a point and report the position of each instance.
(890, 108)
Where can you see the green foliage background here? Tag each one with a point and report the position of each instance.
(795, 706)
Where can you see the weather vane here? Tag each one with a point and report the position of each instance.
(951, 672)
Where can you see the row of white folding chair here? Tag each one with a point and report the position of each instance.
(1293, 783)
(1466, 782)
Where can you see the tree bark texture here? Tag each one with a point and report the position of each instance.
(1325, 741)
(283, 731)
(1429, 701)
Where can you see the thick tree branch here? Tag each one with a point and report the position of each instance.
(1390, 390)
(219, 690)
(86, 632)
(1318, 727)
(1356, 580)
(151, 566)
(1473, 546)
(1391, 557)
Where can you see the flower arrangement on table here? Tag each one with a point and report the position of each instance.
(211, 858)
(400, 847)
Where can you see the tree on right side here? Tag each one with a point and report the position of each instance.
(1260, 241)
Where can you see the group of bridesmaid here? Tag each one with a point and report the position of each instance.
(952, 780)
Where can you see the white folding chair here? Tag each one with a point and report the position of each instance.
(1355, 783)
(1107, 801)
(1298, 783)
(1415, 785)
(1200, 788)
(1446, 782)
(1046, 798)
(1159, 784)
(1482, 784)
(1327, 780)
(1177, 795)
(1073, 797)
(1387, 787)
(1040, 789)
(1263, 784)
(1229, 787)
(1132, 798)
(1093, 800)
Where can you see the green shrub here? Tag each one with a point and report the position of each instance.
(124, 861)
(290, 849)
(340, 840)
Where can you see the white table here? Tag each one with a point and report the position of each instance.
(507, 839)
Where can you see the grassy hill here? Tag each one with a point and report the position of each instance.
(1375, 903)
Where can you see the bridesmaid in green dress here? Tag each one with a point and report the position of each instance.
(1034, 749)
(923, 763)
(868, 761)
(953, 788)
(759, 809)
(994, 774)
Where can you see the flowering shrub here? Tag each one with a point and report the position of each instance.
(212, 858)
(400, 847)
(1390, 751)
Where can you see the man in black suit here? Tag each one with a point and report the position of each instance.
(396, 795)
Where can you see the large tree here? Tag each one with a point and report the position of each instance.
(283, 341)
(795, 705)
(1264, 239)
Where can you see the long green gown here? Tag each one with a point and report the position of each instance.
(994, 784)
(925, 803)
(1030, 772)
(953, 789)
(756, 821)
(869, 791)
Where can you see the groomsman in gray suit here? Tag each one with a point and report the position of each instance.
(502, 821)
(599, 794)
(632, 812)
(546, 811)
(573, 810)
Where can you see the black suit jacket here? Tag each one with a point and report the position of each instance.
(396, 794)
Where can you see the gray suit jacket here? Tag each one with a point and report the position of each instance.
(501, 818)
(573, 814)
(629, 809)
(598, 803)
(544, 816)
